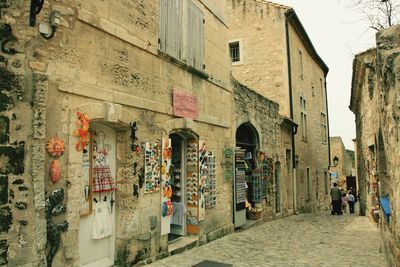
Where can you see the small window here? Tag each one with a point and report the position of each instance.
(234, 51)
(303, 117)
(322, 87)
(324, 135)
(301, 64)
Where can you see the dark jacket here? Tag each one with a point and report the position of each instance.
(336, 194)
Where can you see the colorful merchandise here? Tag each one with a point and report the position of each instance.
(55, 146)
(102, 178)
(55, 171)
(81, 131)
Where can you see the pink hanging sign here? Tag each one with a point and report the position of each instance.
(185, 104)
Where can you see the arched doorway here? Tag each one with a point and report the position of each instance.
(246, 184)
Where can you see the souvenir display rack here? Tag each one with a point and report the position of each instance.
(192, 182)
(152, 175)
(255, 187)
(240, 180)
(176, 176)
(210, 194)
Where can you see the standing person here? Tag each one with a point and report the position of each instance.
(345, 201)
(351, 199)
(336, 196)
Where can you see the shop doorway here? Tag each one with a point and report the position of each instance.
(184, 182)
(247, 182)
(97, 222)
(178, 220)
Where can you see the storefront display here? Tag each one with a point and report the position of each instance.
(152, 167)
(81, 131)
(101, 174)
(167, 170)
(86, 192)
(192, 185)
(240, 179)
(227, 163)
(55, 148)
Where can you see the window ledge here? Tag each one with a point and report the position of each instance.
(183, 65)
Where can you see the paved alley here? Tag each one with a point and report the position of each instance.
(300, 240)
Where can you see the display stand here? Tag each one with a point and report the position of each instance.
(239, 188)
(192, 187)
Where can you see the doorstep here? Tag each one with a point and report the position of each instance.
(182, 244)
(248, 224)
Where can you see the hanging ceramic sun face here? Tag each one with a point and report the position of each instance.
(55, 171)
(55, 146)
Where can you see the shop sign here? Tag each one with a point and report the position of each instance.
(184, 104)
(228, 164)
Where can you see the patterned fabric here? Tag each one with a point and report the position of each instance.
(102, 178)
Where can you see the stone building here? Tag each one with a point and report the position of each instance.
(119, 122)
(342, 173)
(135, 92)
(272, 54)
(375, 103)
(260, 133)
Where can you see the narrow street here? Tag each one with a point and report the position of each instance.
(300, 240)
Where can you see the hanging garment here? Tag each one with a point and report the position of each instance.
(178, 213)
(102, 223)
(102, 179)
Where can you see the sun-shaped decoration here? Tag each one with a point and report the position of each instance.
(55, 146)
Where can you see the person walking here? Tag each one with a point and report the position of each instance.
(336, 196)
(345, 202)
(352, 201)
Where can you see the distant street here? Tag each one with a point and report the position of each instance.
(300, 240)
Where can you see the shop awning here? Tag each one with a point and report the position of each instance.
(385, 204)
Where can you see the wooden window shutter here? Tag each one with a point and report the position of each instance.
(171, 27)
(195, 36)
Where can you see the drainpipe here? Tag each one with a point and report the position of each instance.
(294, 129)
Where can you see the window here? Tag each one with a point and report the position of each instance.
(301, 64)
(308, 184)
(324, 135)
(182, 32)
(236, 51)
(322, 87)
(303, 119)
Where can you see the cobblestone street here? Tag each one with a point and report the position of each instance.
(300, 240)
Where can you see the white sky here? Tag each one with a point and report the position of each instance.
(338, 32)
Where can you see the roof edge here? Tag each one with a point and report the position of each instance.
(292, 17)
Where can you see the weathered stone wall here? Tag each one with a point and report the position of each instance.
(263, 114)
(102, 60)
(23, 93)
(375, 94)
(312, 150)
(264, 68)
(261, 26)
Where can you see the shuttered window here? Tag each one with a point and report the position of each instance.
(182, 31)
(171, 27)
(195, 36)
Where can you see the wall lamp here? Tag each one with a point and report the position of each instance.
(48, 30)
(335, 161)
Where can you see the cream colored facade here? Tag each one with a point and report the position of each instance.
(279, 61)
(104, 60)
(375, 103)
